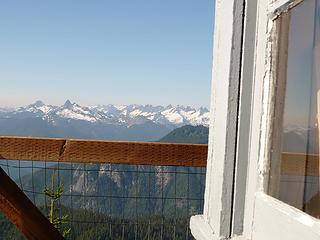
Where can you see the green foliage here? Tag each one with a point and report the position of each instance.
(54, 196)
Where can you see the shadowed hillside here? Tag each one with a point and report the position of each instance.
(188, 134)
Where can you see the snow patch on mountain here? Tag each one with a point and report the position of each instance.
(120, 108)
(66, 113)
(173, 116)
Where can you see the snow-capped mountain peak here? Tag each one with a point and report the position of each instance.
(68, 104)
(38, 103)
(38, 108)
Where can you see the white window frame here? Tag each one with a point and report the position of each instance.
(244, 86)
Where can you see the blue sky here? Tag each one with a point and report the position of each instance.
(112, 51)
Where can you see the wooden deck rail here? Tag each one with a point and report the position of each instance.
(95, 151)
(21, 211)
(144, 153)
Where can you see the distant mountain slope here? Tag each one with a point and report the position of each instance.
(69, 128)
(301, 140)
(188, 134)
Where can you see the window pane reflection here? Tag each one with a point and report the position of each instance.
(299, 181)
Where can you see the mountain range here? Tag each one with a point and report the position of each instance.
(113, 114)
(126, 122)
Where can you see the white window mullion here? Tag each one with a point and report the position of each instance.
(228, 37)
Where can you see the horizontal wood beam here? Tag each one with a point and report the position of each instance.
(100, 151)
(144, 153)
(21, 212)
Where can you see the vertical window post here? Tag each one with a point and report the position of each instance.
(216, 221)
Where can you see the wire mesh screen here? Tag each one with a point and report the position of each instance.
(115, 201)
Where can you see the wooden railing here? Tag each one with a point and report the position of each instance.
(94, 151)
(144, 153)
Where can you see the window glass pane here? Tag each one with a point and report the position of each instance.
(299, 174)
